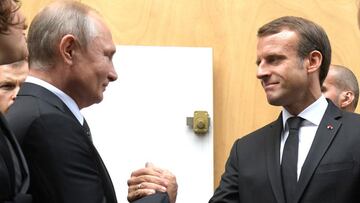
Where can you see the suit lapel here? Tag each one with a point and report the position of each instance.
(325, 133)
(273, 158)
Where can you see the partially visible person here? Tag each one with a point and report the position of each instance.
(12, 32)
(70, 60)
(12, 77)
(148, 180)
(14, 173)
(341, 86)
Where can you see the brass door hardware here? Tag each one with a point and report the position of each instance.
(200, 122)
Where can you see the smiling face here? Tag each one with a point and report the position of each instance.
(11, 78)
(94, 69)
(13, 40)
(281, 71)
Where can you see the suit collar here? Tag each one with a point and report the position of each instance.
(273, 158)
(34, 90)
(326, 132)
(65, 98)
(313, 113)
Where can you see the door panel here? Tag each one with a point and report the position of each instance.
(143, 117)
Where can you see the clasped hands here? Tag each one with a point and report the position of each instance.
(148, 180)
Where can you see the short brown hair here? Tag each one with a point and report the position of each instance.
(7, 11)
(311, 37)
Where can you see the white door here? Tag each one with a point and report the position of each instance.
(143, 117)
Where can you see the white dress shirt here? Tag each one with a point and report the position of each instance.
(312, 116)
(69, 102)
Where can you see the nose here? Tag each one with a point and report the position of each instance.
(262, 71)
(112, 74)
(15, 92)
(13, 97)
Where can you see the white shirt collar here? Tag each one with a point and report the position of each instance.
(313, 113)
(69, 102)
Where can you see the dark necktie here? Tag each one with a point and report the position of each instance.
(87, 129)
(290, 157)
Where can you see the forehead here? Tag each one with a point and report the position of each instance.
(103, 36)
(9, 71)
(282, 42)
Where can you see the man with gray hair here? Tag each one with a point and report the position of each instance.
(341, 86)
(70, 60)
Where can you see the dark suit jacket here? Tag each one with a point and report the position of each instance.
(7, 169)
(64, 165)
(330, 174)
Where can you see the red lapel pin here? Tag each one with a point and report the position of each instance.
(330, 127)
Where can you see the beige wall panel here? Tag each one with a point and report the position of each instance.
(229, 27)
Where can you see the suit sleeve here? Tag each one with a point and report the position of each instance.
(160, 197)
(228, 191)
(62, 166)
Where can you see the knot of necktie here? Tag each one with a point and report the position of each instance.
(294, 122)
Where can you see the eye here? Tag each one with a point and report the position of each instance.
(275, 59)
(7, 86)
(109, 55)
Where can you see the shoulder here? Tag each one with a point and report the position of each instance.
(254, 141)
(259, 134)
(54, 126)
(28, 109)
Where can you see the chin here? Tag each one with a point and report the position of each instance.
(274, 102)
(99, 99)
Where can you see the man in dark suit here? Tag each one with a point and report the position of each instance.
(70, 59)
(313, 160)
(14, 174)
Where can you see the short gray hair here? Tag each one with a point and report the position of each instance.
(52, 23)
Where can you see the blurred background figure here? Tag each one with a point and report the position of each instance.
(341, 86)
(12, 32)
(11, 78)
(14, 173)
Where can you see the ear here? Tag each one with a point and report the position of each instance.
(346, 98)
(315, 60)
(67, 48)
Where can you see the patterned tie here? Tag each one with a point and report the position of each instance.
(290, 157)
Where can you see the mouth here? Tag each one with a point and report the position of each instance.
(105, 85)
(269, 85)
